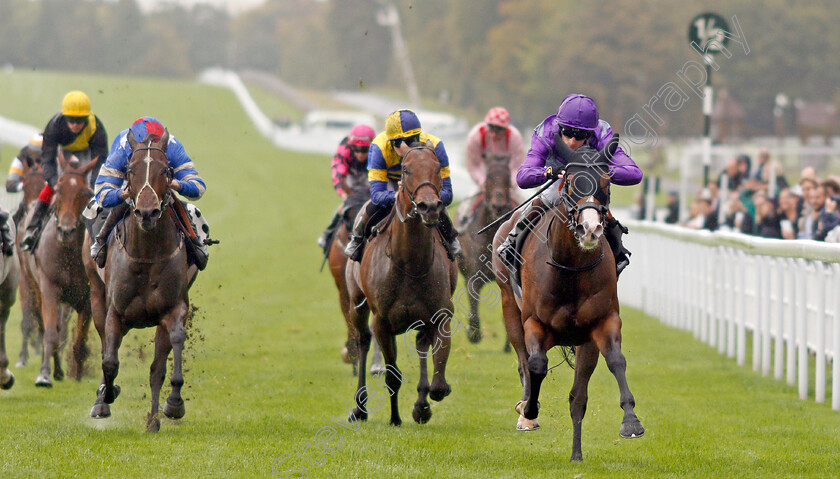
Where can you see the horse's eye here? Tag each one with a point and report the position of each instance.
(406, 172)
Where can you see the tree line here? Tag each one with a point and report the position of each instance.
(522, 54)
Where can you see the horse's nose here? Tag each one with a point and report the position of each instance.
(425, 207)
(146, 214)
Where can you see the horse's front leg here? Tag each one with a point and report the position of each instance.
(7, 379)
(474, 285)
(108, 392)
(80, 347)
(586, 358)
(441, 345)
(422, 412)
(388, 343)
(537, 365)
(608, 339)
(49, 314)
(157, 372)
(174, 322)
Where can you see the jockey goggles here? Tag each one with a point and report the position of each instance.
(359, 149)
(76, 120)
(495, 128)
(575, 133)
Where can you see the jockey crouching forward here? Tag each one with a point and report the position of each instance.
(75, 129)
(576, 124)
(493, 139)
(111, 195)
(349, 171)
(402, 128)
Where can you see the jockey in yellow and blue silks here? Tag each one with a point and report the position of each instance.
(402, 128)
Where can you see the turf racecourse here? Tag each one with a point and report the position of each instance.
(264, 381)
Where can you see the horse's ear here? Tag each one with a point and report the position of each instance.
(164, 139)
(61, 160)
(89, 166)
(609, 149)
(131, 140)
(561, 148)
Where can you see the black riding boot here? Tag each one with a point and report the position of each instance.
(528, 220)
(6, 232)
(613, 233)
(34, 225)
(450, 235)
(355, 247)
(99, 248)
(325, 237)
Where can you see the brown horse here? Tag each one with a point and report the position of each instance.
(30, 323)
(56, 272)
(406, 279)
(568, 294)
(145, 281)
(495, 200)
(9, 279)
(338, 262)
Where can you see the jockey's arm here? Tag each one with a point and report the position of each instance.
(14, 182)
(190, 184)
(445, 180)
(475, 163)
(108, 185)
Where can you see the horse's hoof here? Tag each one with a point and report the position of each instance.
(21, 364)
(110, 399)
(440, 393)
(631, 429)
(421, 413)
(345, 356)
(9, 382)
(473, 334)
(576, 457)
(153, 425)
(396, 422)
(357, 415)
(377, 369)
(174, 409)
(58, 375)
(525, 424)
(43, 381)
(100, 410)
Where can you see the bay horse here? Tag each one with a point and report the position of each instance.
(31, 326)
(55, 270)
(338, 262)
(145, 282)
(495, 200)
(569, 294)
(9, 279)
(406, 280)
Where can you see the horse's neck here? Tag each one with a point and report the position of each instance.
(160, 241)
(412, 242)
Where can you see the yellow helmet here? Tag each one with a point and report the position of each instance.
(75, 103)
(402, 124)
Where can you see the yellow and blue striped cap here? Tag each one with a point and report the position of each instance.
(402, 124)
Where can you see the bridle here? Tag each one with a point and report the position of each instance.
(148, 160)
(412, 213)
(573, 209)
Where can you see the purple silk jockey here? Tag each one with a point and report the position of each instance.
(576, 124)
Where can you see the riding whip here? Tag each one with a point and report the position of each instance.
(506, 215)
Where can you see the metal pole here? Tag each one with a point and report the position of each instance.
(707, 122)
(390, 17)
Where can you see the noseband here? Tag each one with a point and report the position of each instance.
(169, 173)
(412, 213)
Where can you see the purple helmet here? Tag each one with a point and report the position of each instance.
(578, 111)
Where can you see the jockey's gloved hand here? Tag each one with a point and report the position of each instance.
(552, 173)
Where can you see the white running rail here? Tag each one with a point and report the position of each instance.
(722, 286)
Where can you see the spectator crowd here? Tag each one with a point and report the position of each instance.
(758, 200)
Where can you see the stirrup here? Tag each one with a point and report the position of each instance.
(97, 252)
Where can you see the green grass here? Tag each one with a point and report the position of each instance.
(273, 106)
(264, 375)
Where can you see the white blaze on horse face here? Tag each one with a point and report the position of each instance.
(148, 161)
(592, 229)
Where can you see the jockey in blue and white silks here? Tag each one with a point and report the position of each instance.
(109, 192)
